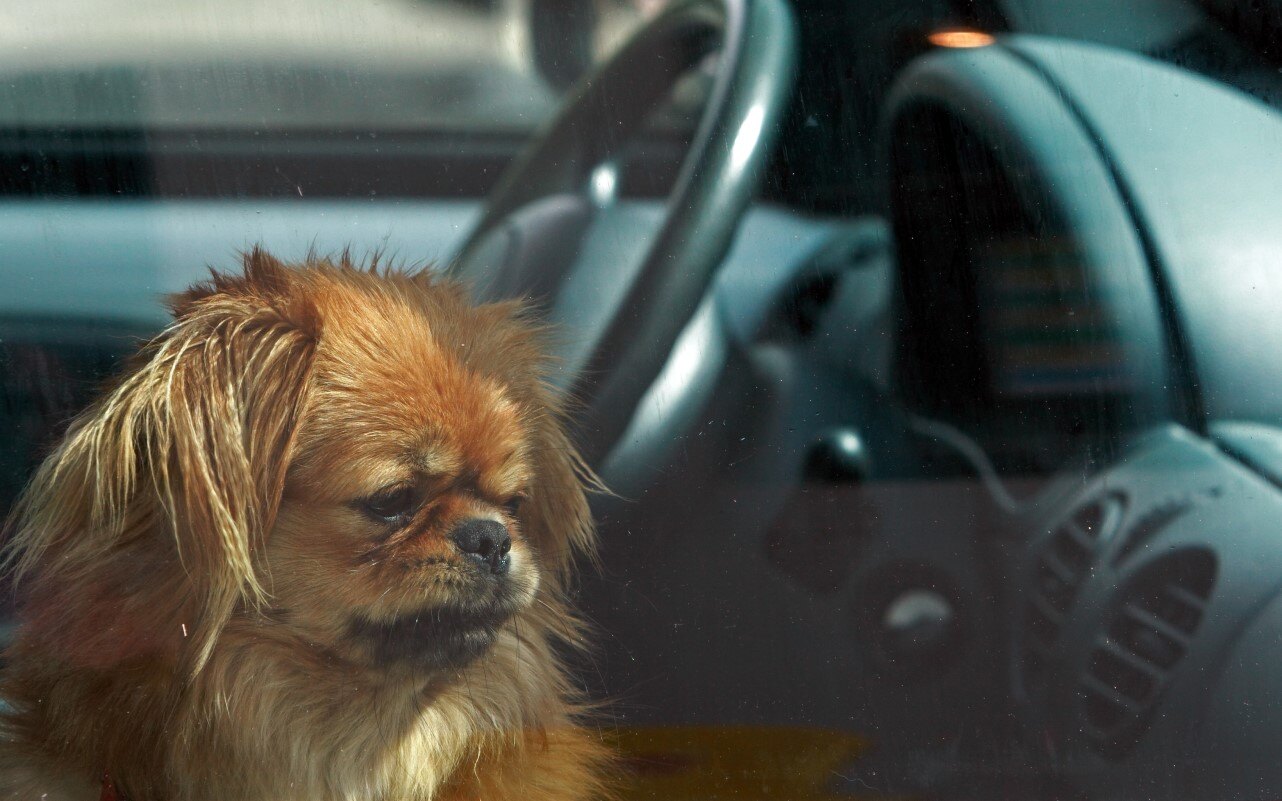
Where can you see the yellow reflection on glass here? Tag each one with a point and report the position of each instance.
(960, 37)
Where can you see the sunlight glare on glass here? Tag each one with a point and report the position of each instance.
(605, 180)
(960, 38)
(745, 141)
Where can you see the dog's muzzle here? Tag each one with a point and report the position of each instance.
(447, 637)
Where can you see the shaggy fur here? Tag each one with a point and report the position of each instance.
(201, 568)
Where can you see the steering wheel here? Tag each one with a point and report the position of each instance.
(551, 230)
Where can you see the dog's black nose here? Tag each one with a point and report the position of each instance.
(486, 541)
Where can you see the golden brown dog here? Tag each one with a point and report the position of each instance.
(312, 546)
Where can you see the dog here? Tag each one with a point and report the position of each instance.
(315, 544)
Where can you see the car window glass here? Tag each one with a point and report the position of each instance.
(959, 480)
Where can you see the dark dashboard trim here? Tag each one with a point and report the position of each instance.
(193, 163)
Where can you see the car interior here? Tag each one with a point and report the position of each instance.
(929, 349)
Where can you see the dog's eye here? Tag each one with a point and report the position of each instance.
(393, 505)
(512, 506)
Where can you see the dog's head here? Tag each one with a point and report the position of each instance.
(363, 461)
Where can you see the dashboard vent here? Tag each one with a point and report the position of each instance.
(1150, 525)
(1156, 519)
(1061, 567)
(1150, 631)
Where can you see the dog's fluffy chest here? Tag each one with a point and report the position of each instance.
(313, 735)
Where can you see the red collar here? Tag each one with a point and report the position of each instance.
(109, 791)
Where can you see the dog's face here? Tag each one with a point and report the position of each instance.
(362, 464)
(399, 538)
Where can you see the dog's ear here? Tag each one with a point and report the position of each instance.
(179, 470)
(557, 512)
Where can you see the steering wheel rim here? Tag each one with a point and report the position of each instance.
(717, 179)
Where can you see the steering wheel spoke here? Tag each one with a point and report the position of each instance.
(527, 253)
